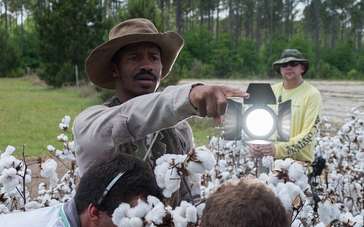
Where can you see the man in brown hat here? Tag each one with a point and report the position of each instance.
(139, 120)
(306, 105)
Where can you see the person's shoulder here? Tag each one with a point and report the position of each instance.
(94, 108)
(310, 88)
(276, 86)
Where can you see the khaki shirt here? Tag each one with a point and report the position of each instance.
(100, 130)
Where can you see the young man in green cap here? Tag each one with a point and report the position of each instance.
(306, 105)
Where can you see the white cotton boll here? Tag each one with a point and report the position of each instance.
(191, 214)
(206, 157)
(250, 164)
(273, 188)
(172, 182)
(307, 211)
(358, 220)
(296, 171)
(267, 161)
(72, 146)
(263, 178)
(222, 163)
(225, 175)
(349, 203)
(9, 179)
(28, 178)
(65, 123)
(9, 150)
(287, 193)
(360, 156)
(140, 210)
(49, 168)
(194, 182)
(32, 205)
(346, 217)
(283, 164)
(3, 209)
(361, 140)
(157, 214)
(320, 225)
(62, 137)
(328, 212)
(303, 182)
(119, 213)
(7, 162)
(181, 209)
(178, 220)
(130, 222)
(152, 200)
(50, 148)
(297, 223)
(273, 180)
(195, 168)
(159, 172)
(200, 209)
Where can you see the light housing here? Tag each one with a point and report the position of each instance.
(258, 119)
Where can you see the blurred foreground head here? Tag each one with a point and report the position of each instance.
(110, 181)
(245, 204)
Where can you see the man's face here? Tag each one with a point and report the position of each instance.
(292, 71)
(138, 69)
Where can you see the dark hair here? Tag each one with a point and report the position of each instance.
(138, 180)
(249, 203)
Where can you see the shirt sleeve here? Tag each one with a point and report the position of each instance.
(302, 143)
(100, 129)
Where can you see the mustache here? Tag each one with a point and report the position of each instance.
(141, 74)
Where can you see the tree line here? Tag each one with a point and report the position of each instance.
(223, 38)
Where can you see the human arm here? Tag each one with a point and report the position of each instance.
(305, 127)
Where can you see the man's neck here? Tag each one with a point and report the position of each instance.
(122, 96)
(291, 84)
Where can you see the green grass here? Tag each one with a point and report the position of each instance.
(30, 114)
(202, 128)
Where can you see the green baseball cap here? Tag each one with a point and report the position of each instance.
(289, 55)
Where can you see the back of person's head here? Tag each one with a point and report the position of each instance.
(246, 204)
(138, 180)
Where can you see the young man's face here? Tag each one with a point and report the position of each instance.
(292, 71)
(138, 69)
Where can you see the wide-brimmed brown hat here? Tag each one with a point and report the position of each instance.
(289, 55)
(98, 63)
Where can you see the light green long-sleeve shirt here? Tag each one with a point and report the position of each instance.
(306, 107)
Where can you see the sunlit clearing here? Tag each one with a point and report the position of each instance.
(259, 122)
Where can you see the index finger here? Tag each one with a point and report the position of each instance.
(235, 92)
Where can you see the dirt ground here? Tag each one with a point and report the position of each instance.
(339, 97)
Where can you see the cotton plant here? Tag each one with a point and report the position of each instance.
(171, 170)
(14, 178)
(65, 123)
(301, 192)
(153, 212)
(333, 197)
(49, 171)
(68, 150)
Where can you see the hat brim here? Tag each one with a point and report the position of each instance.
(98, 63)
(277, 64)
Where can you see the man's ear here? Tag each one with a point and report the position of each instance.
(93, 212)
(115, 70)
